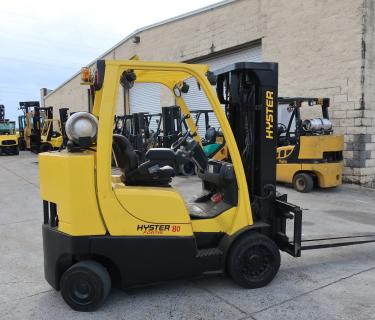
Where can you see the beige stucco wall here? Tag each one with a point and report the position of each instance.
(317, 44)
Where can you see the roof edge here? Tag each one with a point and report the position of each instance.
(151, 26)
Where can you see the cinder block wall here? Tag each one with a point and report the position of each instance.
(364, 143)
(324, 48)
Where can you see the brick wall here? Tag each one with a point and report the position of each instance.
(364, 170)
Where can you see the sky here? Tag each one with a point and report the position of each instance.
(43, 43)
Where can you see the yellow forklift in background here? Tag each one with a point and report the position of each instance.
(46, 132)
(308, 152)
(104, 230)
(213, 142)
(51, 137)
(8, 135)
(26, 123)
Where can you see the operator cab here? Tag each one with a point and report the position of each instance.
(218, 178)
(176, 145)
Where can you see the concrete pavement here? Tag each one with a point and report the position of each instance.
(324, 284)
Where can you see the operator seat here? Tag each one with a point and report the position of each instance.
(210, 136)
(156, 171)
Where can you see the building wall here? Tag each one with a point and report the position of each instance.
(71, 95)
(319, 47)
(364, 143)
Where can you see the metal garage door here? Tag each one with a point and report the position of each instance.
(196, 99)
(145, 97)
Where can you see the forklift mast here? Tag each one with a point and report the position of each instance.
(138, 131)
(249, 94)
(26, 106)
(2, 112)
(172, 125)
(25, 124)
(63, 113)
(21, 126)
(123, 125)
(37, 127)
(206, 114)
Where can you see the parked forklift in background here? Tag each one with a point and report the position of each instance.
(141, 128)
(173, 127)
(308, 152)
(103, 230)
(26, 123)
(46, 133)
(8, 135)
(213, 142)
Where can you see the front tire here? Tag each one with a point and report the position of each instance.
(253, 261)
(85, 285)
(303, 182)
(22, 144)
(187, 169)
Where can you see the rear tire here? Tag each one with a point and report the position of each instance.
(85, 285)
(253, 261)
(303, 182)
(45, 147)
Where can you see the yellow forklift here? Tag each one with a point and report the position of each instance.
(51, 137)
(8, 135)
(213, 142)
(46, 132)
(308, 152)
(26, 124)
(103, 230)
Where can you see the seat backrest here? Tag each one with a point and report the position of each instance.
(124, 153)
(210, 135)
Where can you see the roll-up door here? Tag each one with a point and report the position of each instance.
(145, 97)
(196, 99)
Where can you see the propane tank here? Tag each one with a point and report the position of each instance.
(317, 124)
(327, 124)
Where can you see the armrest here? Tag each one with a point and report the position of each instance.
(160, 154)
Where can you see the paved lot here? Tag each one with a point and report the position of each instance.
(323, 284)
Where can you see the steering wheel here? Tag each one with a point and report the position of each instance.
(283, 127)
(182, 140)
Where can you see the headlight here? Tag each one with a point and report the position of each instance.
(81, 125)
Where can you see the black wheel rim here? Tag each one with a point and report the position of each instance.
(189, 168)
(255, 263)
(81, 290)
(300, 184)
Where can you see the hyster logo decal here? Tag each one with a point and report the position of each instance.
(157, 228)
(269, 115)
(153, 227)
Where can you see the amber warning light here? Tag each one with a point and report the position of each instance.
(85, 74)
